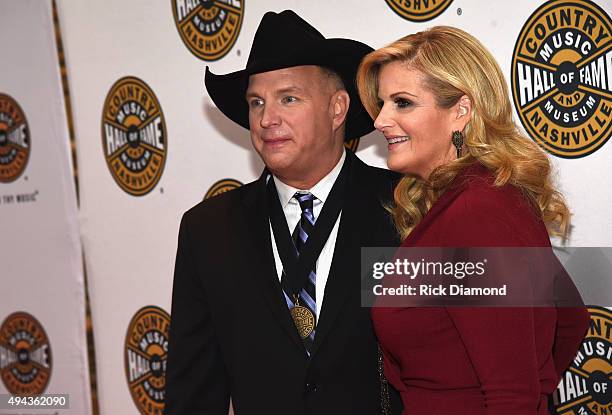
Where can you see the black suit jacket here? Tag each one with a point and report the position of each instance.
(231, 331)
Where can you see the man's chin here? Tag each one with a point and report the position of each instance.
(278, 162)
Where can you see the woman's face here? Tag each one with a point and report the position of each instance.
(418, 132)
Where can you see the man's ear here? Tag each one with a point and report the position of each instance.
(462, 113)
(340, 102)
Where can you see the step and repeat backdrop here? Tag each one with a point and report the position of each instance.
(42, 295)
(151, 144)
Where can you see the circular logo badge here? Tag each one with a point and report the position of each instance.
(209, 28)
(14, 140)
(562, 77)
(352, 144)
(585, 388)
(419, 10)
(222, 186)
(134, 137)
(146, 349)
(25, 355)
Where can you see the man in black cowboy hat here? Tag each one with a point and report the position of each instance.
(266, 299)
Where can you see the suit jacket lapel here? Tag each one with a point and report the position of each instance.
(336, 292)
(262, 258)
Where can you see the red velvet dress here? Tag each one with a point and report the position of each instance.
(478, 361)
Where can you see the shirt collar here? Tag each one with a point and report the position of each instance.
(320, 190)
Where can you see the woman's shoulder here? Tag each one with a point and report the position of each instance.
(480, 194)
(484, 213)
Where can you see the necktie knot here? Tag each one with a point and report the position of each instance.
(305, 200)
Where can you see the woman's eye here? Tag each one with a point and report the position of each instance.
(380, 103)
(289, 99)
(402, 103)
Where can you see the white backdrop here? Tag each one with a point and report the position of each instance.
(40, 249)
(130, 241)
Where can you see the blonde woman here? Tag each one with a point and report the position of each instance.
(471, 178)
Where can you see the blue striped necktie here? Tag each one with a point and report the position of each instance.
(305, 227)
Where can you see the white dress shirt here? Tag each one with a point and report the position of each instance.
(293, 212)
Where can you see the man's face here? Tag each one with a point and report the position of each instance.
(291, 117)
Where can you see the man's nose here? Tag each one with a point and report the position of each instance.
(269, 116)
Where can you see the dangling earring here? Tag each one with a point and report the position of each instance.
(458, 141)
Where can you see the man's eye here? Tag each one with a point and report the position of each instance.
(254, 103)
(402, 103)
(289, 99)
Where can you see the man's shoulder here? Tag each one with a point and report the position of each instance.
(219, 207)
(383, 174)
(377, 177)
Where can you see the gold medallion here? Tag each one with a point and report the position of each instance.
(304, 320)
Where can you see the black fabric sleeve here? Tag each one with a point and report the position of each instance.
(196, 377)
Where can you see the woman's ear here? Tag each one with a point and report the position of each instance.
(463, 113)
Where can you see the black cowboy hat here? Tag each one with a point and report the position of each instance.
(285, 40)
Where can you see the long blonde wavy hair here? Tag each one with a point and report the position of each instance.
(455, 64)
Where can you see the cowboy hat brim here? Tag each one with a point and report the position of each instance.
(340, 55)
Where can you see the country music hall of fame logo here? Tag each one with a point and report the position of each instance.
(562, 77)
(419, 10)
(134, 136)
(146, 350)
(14, 140)
(25, 355)
(209, 28)
(585, 388)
